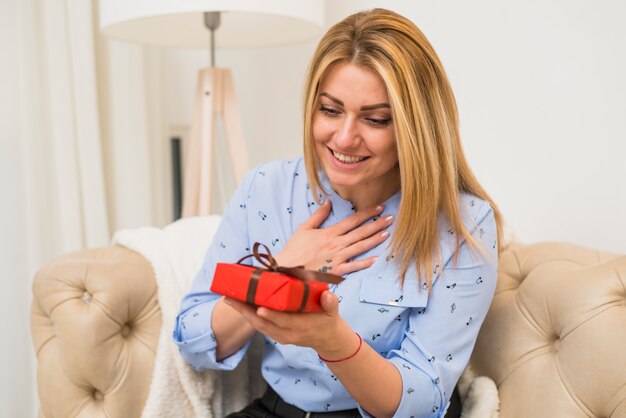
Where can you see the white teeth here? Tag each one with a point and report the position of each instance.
(347, 158)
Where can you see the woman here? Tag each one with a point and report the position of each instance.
(385, 198)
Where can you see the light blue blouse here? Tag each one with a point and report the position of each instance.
(429, 338)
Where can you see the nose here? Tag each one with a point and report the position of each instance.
(348, 134)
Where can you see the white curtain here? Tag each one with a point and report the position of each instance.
(78, 161)
(52, 154)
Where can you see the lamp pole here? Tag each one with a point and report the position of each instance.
(212, 21)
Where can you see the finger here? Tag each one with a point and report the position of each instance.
(353, 266)
(249, 313)
(318, 217)
(367, 230)
(274, 331)
(357, 219)
(281, 319)
(341, 266)
(244, 309)
(329, 302)
(362, 246)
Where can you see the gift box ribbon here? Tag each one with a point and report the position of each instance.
(298, 272)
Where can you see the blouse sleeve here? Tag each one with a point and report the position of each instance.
(192, 332)
(439, 338)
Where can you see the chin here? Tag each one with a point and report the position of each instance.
(345, 183)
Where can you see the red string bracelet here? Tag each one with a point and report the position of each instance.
(347, 358)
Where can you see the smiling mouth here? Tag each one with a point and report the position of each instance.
(346, 159)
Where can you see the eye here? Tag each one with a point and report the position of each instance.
(328, 111)
(378, 122)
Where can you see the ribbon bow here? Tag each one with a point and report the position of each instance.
(298, 272)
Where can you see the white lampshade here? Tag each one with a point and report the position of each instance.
(244, 23)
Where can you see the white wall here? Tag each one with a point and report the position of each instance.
(541, 95)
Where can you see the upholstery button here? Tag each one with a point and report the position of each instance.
(98, 395)
(125, 331)
(86, 297)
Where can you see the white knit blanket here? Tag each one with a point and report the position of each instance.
(176, 253)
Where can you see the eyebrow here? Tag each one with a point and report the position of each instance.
(370, 107)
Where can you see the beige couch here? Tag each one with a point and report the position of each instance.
(554, 340)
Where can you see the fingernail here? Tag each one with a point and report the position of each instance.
(389, 218)
(329, 297)
(379, 208)
(374, 260)
(385, 234)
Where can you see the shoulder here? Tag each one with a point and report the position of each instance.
(474, 211)
(274, 175)
(281, 167)
(478, 219)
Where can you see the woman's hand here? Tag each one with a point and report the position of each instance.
(329, 249)
(326, 331)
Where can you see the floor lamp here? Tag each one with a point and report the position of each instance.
(212, 24)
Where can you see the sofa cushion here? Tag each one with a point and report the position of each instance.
(554, 340)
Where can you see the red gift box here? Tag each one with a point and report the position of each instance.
(289, 289)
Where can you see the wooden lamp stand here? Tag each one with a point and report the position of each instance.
(215, 98)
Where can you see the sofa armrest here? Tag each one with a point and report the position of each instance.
(95, 323)
(554, 338)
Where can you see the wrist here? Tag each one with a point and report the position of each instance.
(339, 360)
(340, 344)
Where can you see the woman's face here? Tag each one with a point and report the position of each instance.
(354, 134)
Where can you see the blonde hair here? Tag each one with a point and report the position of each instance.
(433, 168)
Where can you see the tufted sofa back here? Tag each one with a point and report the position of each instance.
(554, 340)
(95, 323)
